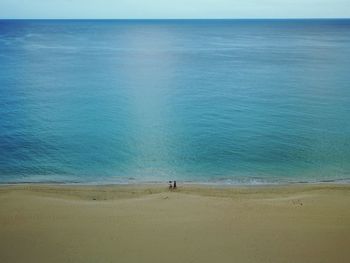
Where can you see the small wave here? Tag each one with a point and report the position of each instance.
(218, 182)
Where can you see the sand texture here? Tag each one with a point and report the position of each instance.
(149, 223)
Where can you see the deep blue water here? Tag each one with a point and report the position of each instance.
(231, 101)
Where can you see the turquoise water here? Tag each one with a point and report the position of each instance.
(226, 101)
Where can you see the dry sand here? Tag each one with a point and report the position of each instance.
(52, 223)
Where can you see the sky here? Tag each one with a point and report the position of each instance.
(129, 9)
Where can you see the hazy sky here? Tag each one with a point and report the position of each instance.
(173, 8)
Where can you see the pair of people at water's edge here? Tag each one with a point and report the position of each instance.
(172, 184)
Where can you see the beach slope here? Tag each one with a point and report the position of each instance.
(149, 223)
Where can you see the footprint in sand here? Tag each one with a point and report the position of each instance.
(297, 203)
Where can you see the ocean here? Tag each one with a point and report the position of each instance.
(204, 101)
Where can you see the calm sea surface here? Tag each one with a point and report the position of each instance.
(230, 101)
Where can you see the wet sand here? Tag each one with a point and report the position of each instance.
(149, 223)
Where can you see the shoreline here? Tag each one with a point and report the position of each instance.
(219, 183)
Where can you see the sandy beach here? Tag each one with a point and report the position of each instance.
(149, 223)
